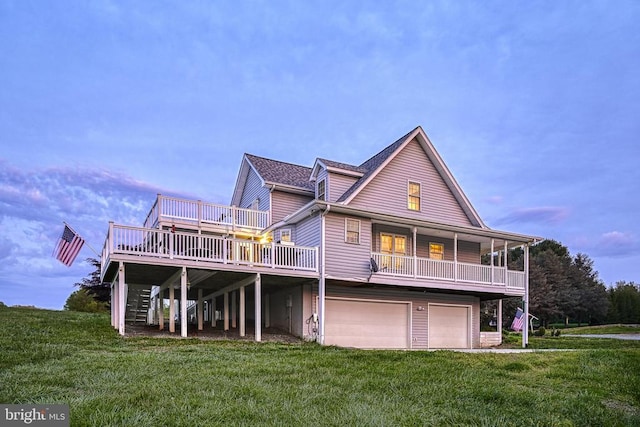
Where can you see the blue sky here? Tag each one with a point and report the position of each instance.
(103, 104)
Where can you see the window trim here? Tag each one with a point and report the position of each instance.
(393, 244)
(410, 196)
(288, 231)
(439, 244)
(323, 181)
(346, 231)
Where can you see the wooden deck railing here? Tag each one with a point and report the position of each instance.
(157, 243)
(425, 268)
(198, 212)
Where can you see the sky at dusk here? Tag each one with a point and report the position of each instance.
(534, 106)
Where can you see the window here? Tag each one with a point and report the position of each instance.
(395, 249)
(392, 244)
(352, 231)
(285, 235)
(322, 190)
(413, 199)
(436, 251)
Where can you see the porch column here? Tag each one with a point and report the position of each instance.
(499, 319)
(183, 303)
(243, 317)
(525, 330)
(492, 249)
(200, 310)
(506, 259)
(234, 314)
(226, 311)
(455, 257)
(267, 311)
(172, 309)
(258, 298)
(415, 253)
(122, 299)
(213, 312)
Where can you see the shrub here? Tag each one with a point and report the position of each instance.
(540, 332)
(556, 333)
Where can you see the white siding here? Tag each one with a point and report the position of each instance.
(467, 251)
(338, 184)
(387, 192)
(283, 204)
(347, 260)
(253, 190)
(307, 231)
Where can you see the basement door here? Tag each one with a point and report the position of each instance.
(449, 326)
(367, 323)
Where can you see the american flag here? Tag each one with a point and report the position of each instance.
(68, 246)
(518, 321)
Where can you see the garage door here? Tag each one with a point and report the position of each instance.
(366, 324)
(449, 326)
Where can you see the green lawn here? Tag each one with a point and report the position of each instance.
(73, 358)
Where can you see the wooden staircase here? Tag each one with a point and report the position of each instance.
(138, 300)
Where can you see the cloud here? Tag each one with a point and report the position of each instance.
(35, 202)
(538, 215)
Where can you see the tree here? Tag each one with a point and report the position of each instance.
(80, 300)
(625, 303)
(99, 291)
(561, 286)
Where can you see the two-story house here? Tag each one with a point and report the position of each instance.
(385, 254)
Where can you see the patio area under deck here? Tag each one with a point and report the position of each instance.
(197, 285)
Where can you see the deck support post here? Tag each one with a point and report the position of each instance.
(172, 309)
(258, 298)
(415, 251)
(114, 298)
(213, 312)
(183, 303)
(267, 312)
(122, 299)
(234, 314)
(226, 311)
(200, 310)
(243, 320)
(160, 309)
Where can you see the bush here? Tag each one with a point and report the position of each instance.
(540, 332)
(556, 333)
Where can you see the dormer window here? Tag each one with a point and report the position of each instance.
(321, 190)
(413, 196)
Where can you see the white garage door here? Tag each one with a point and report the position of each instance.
(449, 326)
(366, 324)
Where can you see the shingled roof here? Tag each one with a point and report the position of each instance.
(343, 166)
(277, 172)
(370, 166)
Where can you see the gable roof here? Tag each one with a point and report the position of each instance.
(297, 178)
(272, 173)
(337, 167)
(376, 163)
(372, 165)
(281, 173)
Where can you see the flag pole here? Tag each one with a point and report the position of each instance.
(85, 242)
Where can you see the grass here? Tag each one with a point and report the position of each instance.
(77, 359)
